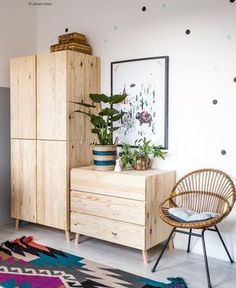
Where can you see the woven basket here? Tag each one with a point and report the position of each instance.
(104, 157)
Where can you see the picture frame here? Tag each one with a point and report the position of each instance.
(145, 81)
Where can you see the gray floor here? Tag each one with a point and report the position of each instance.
(175, 263)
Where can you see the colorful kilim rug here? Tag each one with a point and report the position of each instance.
(27, 264)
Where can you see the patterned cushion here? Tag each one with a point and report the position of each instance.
(187, 215)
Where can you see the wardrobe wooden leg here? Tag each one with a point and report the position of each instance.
(145, 256)
(17, 224)
(67, 233)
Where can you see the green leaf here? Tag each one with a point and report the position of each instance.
(83, 104)
(98, 121)
(108, 112)
(98, 98)
(117, 117)
(115, 99)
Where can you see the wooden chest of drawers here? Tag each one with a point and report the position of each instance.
(120, 207)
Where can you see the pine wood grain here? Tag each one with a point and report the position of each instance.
(157, 190)
(110, 230)
(129, 199)
(83, 79)
(42, 88)
(109, 207)
(52, 184)
(52, 96)
(125, 185)
(23, 179)
(23, 97)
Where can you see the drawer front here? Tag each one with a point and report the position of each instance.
(127, 234)
(115, 208)
(108, 183)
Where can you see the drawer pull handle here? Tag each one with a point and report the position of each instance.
(114, 233)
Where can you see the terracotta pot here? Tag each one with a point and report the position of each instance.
(142, 163)
(104, 157)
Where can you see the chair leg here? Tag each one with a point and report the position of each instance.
(189, 240)
(223, 243)
(205, 259)
(163, 250)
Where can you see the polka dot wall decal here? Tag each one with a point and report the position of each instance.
(115, 27)
(187, 31)
(66, 30)
(144, 8)
(234, 79)
(223, 152)
(228, 37)
(163, 5)
(105, 40)
(231, 1)
(214, 101)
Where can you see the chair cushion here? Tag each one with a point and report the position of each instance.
(187, 215)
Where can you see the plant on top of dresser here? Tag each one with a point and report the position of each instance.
(103, 126)
(139, 157)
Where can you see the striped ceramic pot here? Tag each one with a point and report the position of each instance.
(104, 157)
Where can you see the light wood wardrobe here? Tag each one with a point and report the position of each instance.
(47, 138)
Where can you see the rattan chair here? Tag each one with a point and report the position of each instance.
(201, 190)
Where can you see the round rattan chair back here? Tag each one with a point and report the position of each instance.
(204, 190)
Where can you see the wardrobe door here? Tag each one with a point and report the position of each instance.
(23, 179)
(23, 97)
(51, 96)
(83, 79)
(52, 184)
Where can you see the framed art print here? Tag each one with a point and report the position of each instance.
(145, 81)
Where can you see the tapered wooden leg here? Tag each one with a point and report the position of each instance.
(171, 244)
(17, 224)
(145, 256)
(77, 238)
(67, 233)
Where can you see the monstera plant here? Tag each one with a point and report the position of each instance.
(104, 124)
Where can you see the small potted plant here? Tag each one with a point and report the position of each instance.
(105, 152)
(139, 157)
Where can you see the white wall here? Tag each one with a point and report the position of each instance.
(202, 68)
(18, 34)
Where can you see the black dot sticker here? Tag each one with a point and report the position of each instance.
(214, 101)
(144, 8)
(231, 1)
(223, 152)
(66, 30)
(187, 31)
(234, 79)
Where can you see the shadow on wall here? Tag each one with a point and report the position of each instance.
(4, 155)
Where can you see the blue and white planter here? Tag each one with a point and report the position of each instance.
(104, 157)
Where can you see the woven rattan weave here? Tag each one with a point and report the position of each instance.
(203, 190)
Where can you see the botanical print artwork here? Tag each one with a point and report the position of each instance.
(145, 106)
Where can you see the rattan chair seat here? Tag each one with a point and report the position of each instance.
(166, 217)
